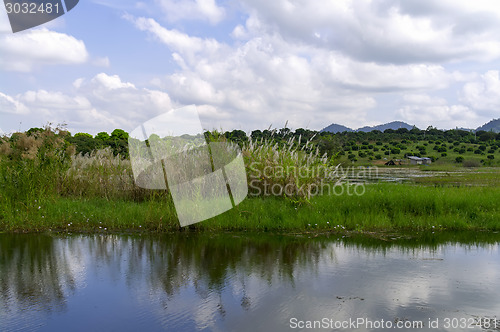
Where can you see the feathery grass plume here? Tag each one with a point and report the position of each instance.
(32, 167)
(285, 167)
(101, 174)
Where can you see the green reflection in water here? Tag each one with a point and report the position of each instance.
(40, 272)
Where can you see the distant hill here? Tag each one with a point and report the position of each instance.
(493, 125)
(391, 125)
(336, 128)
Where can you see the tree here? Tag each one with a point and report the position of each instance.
(83, 135)
(33, 131)
(486, 135)
(119, 134)
(256, 134)
(103, 136)
(238, 136)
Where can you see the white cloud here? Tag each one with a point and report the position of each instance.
(424, 110)
(10, 105)
(269, 77)
(484, 93)
(205, 10)
(392, 31)
(29, 49)
(178, 42)
(101, 62)
(102, 103)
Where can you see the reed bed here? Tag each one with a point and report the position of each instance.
(290, 168)
(101, 174)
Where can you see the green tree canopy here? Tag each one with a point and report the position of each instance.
(119, 134)
(83, 135)
(103, 136)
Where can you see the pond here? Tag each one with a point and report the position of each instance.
(248, 282)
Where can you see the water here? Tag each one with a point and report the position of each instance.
(242, 282)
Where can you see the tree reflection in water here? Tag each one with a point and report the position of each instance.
(215, 273)
(35, 273)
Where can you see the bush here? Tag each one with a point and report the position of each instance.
(471, 163)
(491, 157)
(459, 159)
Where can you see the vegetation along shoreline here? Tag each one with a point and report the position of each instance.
(51, 180)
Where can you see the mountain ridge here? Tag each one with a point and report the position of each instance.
(335, 128)
(493, 125)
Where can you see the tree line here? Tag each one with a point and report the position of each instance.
(326, 142)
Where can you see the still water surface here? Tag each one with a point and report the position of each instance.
(243, 282)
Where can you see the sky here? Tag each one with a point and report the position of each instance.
(254, 64)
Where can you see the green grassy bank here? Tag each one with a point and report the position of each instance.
(382, 207)
(44, 186)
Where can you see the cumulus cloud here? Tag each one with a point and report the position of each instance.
(393, 31)
(205, 10)
(269, 77)
(181, 43)
(309, 62)
(52, 48)
(483, 94)
(11, 105)
(424, 110)
(102, 103)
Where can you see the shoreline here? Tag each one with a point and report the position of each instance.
(382, 208)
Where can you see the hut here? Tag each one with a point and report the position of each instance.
(419, 161)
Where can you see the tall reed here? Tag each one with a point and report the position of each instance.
(32, 166)
(288, 167)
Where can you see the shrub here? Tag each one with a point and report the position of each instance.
(459, 159)
(471, 163)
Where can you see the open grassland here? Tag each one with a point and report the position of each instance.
(443, 154)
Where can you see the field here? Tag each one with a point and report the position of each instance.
(45, 186)
(442, 154)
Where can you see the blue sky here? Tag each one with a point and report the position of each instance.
(251, 64)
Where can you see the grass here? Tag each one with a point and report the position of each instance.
(411, 149)
(43, 187)
(460, 177)
(383, 207)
